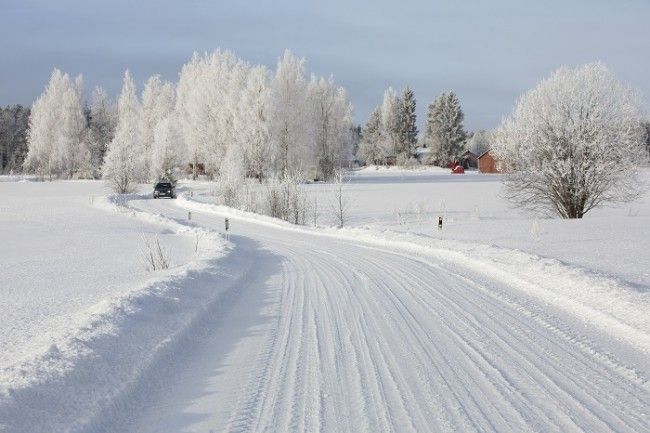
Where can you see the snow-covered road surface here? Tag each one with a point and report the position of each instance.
(322, 334)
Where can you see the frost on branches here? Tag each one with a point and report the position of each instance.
(571, 143)
(56, 145)
(224, 118)
(445, 133)
(331, 120)
(121, 164)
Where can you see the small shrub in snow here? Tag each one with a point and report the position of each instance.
(286, 199)
(154, 256)
(406, 161)
(340, 203)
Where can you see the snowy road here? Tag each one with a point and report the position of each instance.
(321, 334)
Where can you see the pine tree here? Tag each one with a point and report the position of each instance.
(444, 132)
(408, 130)
(14, 121)
(122, 155)
(370, 149)
(101, 126)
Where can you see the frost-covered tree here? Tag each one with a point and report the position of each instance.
(252, 123)
(408, 131)
(231, 177)
(72, 126)
(331, 120)
(121, 163)
(207, 95)
(157, 103)
(370, 148)
(646, 127)
(572, 142)
(390, 126)
(14, 121)
(479, 142)
(167, 151)
(445, 134)
(56, 129)
(288, 111)
(192, 112)
(101, 126)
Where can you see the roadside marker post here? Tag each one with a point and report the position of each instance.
(227, 224)
(439, 223)
(189, 215)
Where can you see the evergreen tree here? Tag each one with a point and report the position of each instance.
(101, 126)
(14, 121)
(408, 130)
(370, 149)
(444, 132)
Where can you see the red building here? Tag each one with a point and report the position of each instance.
(487, 163)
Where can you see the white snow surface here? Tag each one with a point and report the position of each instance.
(499, 322)
(77, 302)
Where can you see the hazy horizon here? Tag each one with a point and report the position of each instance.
(487, 53)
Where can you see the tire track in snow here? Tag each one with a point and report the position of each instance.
(370, 340)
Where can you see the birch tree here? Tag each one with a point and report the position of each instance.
(157, 103)
(571, 143)
(252, 123)
(331, 120)
(121, 161)
(56, 129)
(167, 152)
(288, 112)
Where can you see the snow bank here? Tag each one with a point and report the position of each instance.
(87, 368)
(614, 307)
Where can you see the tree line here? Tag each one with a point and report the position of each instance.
(391, 135)
(14, 121)
(224, 117)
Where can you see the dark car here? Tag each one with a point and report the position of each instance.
(164, 189)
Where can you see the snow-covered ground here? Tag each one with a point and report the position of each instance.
(499, 322)
(614, 241)
(72, 275)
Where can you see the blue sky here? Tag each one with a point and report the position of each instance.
(489, 52)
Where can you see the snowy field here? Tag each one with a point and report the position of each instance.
(498, 322)
(613, 241)
(71, 263)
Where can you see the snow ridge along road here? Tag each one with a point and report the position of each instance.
(323, 334)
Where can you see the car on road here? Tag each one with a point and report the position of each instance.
(164, 189)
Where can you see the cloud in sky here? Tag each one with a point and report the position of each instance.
(488, 52)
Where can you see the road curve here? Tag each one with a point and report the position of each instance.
(324, 335)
